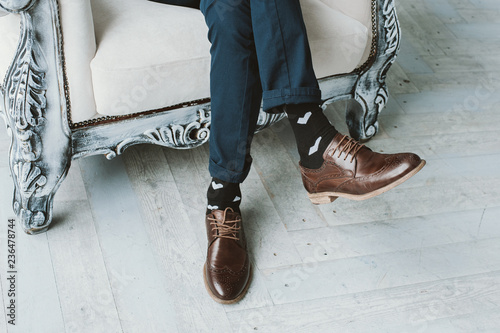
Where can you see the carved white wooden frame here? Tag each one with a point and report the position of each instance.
(35, 103)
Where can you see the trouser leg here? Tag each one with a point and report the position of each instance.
(235, 88)
(256, 45)
(288, 77)
(283, 52)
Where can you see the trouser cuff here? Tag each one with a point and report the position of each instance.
(226, 175)
(302, 95)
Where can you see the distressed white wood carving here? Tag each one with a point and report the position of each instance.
(181, 136)
(371, 94)
(39, 153)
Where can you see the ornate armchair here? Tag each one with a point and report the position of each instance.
(88, 77)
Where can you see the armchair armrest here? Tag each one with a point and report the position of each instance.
(79, 48)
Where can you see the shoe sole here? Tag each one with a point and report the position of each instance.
(327, 197)
(224, 301)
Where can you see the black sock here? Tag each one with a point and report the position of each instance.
(313, 133)
(222, 195)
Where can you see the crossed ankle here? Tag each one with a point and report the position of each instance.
(313, 133)
(222, 194)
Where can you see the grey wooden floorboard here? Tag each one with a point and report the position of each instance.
(487, 30)
(173, 240)
(436, 124)
(486, 321)
(407, 308)
(465, 45)
(480, 15)
(411, 202)
(137, 283)
(360, 239)
(189, 170)
(85, 295)
(478, 82)
(36, 286)
(481, 99)
(192, 183)
(282, 181)
(443, 147)
(399, 82)
(326, 279)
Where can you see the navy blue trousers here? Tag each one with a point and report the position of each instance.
(259, 54)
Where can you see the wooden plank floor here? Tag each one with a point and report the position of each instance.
(127, 245)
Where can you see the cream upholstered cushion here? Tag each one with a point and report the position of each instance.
(338, 42)
(79, 49)
(151, 55)
(360, 10)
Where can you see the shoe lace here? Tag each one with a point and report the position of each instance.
(348, 146)
(226, 228)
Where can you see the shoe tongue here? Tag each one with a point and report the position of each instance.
(231, 219)
(229, 213)
(332, 145)
(363, 156)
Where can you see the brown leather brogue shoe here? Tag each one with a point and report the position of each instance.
(352, 170)
(227, 271)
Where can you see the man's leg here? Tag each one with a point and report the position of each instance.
(332, 165)
(287, 75)
(235, 89)
(236, 95)
(283, 52)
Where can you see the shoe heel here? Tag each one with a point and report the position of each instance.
(320, 200)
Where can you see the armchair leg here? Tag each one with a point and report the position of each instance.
(362, 112)
(35, 111)
(35, 183)
(370, 93)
